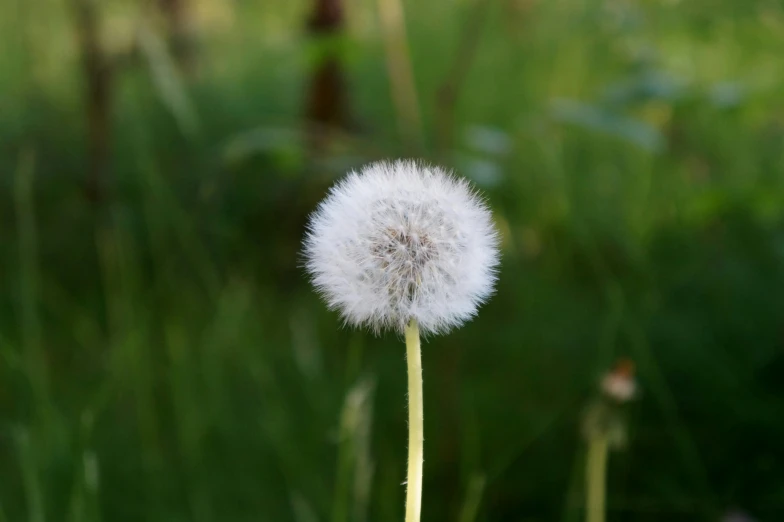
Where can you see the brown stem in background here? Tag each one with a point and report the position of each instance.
(98, 95)
(401, 75)
(449, 90)
(327, 102)
(517, 14)
(326, 17)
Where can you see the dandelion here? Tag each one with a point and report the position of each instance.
(404, 247)
(619, 385)
(402, 241)
(604, 427)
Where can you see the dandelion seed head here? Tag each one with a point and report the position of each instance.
(402, 240)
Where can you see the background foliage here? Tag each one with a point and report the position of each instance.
(164, 359)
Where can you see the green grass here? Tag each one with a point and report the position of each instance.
(164, 359)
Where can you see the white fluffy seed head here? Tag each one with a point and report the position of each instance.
(400, 241)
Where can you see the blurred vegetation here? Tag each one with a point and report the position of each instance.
(164, 359)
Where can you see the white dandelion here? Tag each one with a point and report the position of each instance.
(402, 246)
(401, 241)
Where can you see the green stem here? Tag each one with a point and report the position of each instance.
(415, 423)
(596, 478)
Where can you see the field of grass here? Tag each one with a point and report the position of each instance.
(163, 357)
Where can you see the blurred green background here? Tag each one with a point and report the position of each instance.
(164, 358)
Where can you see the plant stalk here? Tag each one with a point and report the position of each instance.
(415, 424)
(596, 478)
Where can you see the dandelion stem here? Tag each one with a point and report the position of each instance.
(596, 478)
(415, 423)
